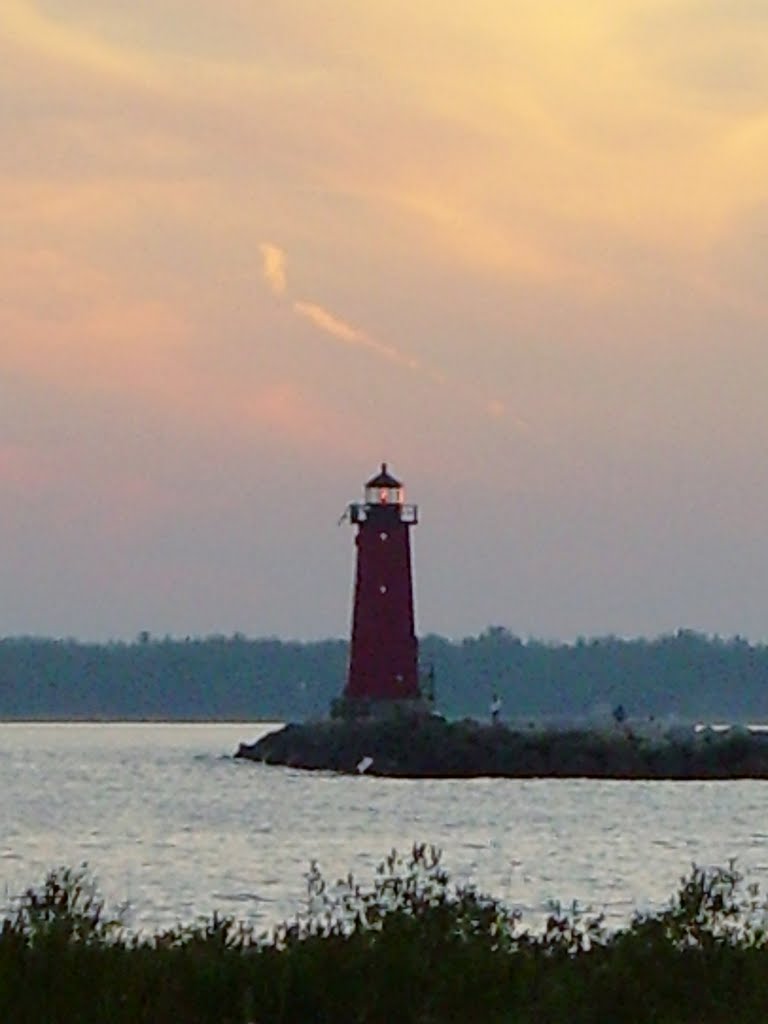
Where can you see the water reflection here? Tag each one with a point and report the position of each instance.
(171, 824)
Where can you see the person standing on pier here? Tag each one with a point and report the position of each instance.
(495, 708)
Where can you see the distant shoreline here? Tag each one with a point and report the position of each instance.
(686, 675)
(123, 720)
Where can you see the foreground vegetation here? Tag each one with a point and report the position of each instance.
(687, 675)
(411, 948)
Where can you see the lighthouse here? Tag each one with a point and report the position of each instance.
(383, 658)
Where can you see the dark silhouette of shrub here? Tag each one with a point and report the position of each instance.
(412, 947)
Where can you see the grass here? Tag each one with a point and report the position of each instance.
(412, 947)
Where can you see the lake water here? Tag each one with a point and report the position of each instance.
(169, 822)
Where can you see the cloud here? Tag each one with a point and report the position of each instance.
(30, 30)
(499, 154)
(273, 270)
(345, 332)
(348, 334)
(274, 267)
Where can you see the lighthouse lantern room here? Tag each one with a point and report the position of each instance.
(383, 657)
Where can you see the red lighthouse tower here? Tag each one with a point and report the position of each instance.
(383, 661)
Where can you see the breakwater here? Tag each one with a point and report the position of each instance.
(430, 747)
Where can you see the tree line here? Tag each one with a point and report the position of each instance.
(685, 674)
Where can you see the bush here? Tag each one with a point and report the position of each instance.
(411, 947)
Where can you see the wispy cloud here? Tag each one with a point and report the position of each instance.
(341, 330)
(354, 336)
(273, 267)
(274, 273)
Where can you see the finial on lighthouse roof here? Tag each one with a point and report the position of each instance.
(383, 479)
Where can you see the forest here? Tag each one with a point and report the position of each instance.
(685, 676)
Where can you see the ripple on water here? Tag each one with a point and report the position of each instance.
(170, 821)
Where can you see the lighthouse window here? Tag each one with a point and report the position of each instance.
(383, 536)
(382, 589)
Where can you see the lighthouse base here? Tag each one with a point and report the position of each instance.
(356, 708)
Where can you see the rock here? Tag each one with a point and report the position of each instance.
(430, 747)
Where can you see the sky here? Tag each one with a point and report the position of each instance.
(516, 249)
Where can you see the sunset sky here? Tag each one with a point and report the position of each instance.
(517, 249)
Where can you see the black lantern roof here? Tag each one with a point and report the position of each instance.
(383, 479)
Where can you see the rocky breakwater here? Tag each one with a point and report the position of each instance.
(430, 747)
